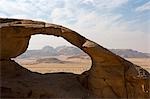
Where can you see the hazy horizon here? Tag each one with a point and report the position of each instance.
(34, 45)
(120, 24)
(75, 46)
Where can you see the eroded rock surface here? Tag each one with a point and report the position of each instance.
(110, 76)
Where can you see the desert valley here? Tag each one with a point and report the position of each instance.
(72, 59)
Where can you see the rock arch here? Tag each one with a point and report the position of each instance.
(110, 75)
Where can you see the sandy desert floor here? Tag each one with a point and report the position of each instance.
(74, 65)
(143, 62)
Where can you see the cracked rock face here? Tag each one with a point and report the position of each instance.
(110, 76)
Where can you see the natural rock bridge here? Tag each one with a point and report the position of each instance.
(110, 76)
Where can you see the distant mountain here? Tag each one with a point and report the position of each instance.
(129, 53)
(74, 51)
(45, 51)
(68, 50)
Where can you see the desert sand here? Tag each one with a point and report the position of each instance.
(143, 62)
(74, 65)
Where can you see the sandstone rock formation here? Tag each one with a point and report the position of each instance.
(110, 76)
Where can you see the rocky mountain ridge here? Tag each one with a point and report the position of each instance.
(73, 51)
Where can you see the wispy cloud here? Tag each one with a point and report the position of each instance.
(110, 3)
(145, 7)
(112, 23)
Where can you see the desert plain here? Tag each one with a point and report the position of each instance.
(74, 64)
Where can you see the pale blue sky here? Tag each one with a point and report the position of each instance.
(111, 23)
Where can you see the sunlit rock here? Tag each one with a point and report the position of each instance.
(110, 76)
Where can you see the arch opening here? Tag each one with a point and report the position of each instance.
(50, 54)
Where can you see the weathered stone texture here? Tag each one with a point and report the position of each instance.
(110, 76)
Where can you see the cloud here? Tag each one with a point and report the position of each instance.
(98, 20)
(144, 7)
(110, 3)
(29, 8)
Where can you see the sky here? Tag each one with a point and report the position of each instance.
(110, 23)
